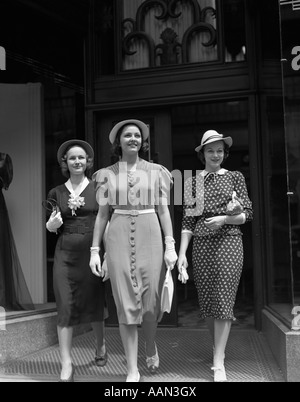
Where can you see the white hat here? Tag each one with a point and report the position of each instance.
(213, 136)
(142, 126)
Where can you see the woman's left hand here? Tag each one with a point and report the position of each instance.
(215, 223)
(105, 273)
(170, 258)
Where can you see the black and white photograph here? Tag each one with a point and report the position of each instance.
(149, 193)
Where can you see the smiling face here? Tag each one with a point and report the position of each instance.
(214, 156)
(131, 139)
(76, 161)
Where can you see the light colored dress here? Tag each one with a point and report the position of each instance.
(134, 244)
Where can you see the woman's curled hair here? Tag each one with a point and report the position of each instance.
(116, 146)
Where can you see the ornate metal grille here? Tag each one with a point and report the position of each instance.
(168, 32)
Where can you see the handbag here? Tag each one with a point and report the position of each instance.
(167, 294)
(235, 206)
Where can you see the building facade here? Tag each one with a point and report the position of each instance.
(183, 67)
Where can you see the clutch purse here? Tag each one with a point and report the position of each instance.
(167, 294)
(235, 205)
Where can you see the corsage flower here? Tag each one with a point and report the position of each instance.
(75, 202)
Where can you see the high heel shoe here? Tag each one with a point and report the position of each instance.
(219, 373)
(134, 378)
(101, 360)
(71, 378)
(153, 362)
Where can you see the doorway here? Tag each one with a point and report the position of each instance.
(174, 133)
(189, 122)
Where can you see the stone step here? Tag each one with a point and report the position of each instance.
(23, 333)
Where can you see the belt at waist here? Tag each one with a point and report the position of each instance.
(210, 215)
(134, 212)
(77, 229)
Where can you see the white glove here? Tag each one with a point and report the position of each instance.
(55, 222)
(183, 276)
(170, 253)
(182, 264)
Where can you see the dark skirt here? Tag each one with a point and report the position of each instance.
(80, 295)
(217, 268)
(14, 293)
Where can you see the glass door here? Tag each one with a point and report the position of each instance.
(290, 19)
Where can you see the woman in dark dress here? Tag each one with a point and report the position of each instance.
(14, 294)
(216, 204)
(79, 294)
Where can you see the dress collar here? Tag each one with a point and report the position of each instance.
(123, 166)
(79, 189)
(205, 173)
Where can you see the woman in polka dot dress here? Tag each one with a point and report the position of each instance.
(217, 239)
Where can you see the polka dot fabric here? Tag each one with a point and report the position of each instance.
(217, 268)
(217, 255)
(218, 189)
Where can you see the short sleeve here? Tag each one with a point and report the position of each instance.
(189, 219)
(242, 193)
(165, 184)
(101, 179)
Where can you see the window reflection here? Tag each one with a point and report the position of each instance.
(277, 219)
(234, 30)
(284, 292)
(291, 78)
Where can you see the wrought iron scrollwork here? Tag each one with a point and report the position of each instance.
(141, 36)
(170, 49)
(200, 27)
(194, 3)
(145, 7)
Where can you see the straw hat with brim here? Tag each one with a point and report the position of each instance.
(213, 136)
(73, 143)
(142, 126)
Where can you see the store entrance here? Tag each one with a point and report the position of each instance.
(189, 122)
(174, 134)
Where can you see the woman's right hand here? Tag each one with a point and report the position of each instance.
(182, 265)
(55, 222)
(105, 273)
(95, 265)
(182, 262)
